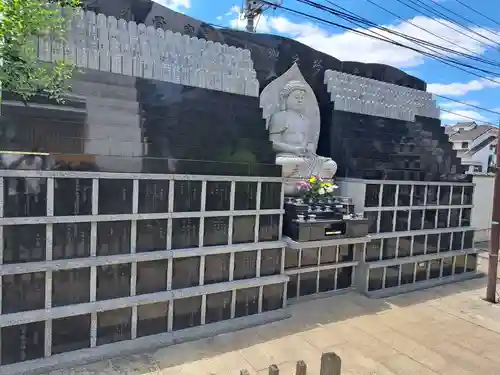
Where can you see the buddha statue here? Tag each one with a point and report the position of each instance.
(292, 113)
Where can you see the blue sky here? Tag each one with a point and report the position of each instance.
(442, 79)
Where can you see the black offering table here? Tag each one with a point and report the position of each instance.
(319, 220)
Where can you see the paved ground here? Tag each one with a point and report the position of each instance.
(447, 330)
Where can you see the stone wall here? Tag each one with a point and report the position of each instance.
(351, 93)
(96, 41)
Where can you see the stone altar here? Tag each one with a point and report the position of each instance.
(292, 117)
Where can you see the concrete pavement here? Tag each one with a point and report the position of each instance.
(446, 330)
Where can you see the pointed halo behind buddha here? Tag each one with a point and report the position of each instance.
(273, 100)
(293, 120)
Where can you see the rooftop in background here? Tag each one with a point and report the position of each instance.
(466, 131)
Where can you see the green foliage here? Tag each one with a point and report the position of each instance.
(21, 22)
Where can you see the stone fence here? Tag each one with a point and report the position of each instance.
(95, 41)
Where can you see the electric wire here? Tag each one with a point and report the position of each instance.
(431, 15)
(401, 45)
(469, 118)
(477, 12)
(441, 96)
(441, 14)
(431, 33)
(467, 104)
(436, 95)
(356, 19)
(443, 59)
(460, 16)
(258, 20)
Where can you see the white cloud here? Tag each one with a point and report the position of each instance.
(351, 46)
(459, 89)
(175, 4)
(235, 9)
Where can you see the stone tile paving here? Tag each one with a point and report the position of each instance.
(447, 330)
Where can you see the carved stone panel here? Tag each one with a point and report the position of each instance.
(115, 45)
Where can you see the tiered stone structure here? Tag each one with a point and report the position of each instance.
(96, 41)
(355, 94)
(157, 249)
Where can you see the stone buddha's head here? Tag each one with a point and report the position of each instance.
(292, 96)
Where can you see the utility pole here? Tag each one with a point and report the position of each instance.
(253, 8)
(491, 288)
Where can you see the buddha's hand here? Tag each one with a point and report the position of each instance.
(311, 149)
(302, 151)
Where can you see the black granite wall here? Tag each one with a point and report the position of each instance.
(185, 123)
(379, 148)
(118, 123)
(363, 146)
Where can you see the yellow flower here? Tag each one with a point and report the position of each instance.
(312, 180)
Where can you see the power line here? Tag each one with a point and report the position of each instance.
(437, 12)
(462, 17)
(477, 12)
(469, 118)
(492, 62)
(468, 104)
(431, 15)
(398, 44)
(347, 15)
(440, 96)
(445, 60)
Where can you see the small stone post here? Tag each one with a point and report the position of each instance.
(244, 372)
(301, 368)
(274, 370)
(330, 364)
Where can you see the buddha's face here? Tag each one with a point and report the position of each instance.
(295, 100)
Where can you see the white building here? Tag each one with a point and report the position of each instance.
(475, 144)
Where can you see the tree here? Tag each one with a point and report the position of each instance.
(21, 23)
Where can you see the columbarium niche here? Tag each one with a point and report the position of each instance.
(161, 204)
(158, 256)
(419, 239)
